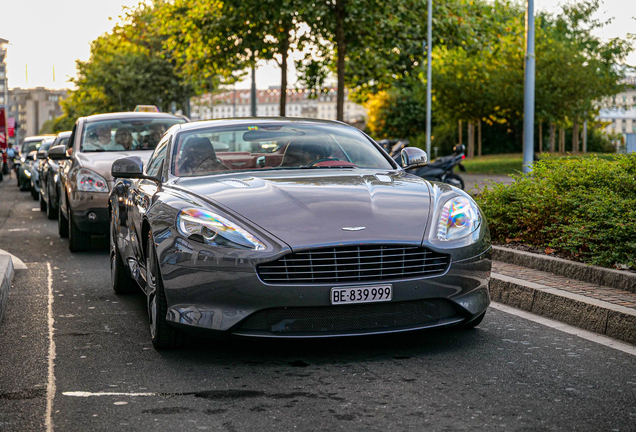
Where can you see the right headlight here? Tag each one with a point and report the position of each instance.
(90, 181)
(459, 218)
(207, 227)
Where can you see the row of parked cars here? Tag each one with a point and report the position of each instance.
(266, 227)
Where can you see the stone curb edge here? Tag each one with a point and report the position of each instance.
(599, 275)
(6, 277)
(600, 317)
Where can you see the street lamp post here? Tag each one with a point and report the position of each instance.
(528, 96)
(429, 74)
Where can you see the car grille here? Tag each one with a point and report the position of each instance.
(354, 264)
(342, 318)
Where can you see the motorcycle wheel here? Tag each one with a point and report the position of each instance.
(454, 180)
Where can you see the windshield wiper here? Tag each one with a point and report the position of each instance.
(327, 166)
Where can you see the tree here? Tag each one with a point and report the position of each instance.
(221, 38)
(126, 69)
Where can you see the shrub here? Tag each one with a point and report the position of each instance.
(584, 207)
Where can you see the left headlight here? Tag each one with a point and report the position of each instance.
(207, 227)
(90, 181)
(459, 218)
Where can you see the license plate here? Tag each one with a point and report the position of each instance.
(361, 294)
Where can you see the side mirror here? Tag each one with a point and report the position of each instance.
(41, 155)
(57, 153)
(459, 149)
(128, 167)
(413, 157)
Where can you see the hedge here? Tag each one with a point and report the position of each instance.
(581, 207)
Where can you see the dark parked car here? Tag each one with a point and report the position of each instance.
(85, 181)
(299, 228)
(36, 169)
(28, 152)
(49, 177)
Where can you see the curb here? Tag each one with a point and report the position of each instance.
(601, 317)
(599, 275)
(6, 276)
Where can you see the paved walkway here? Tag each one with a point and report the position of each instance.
(598, 292)
(474, 183)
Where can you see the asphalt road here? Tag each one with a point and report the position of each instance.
(509, 374)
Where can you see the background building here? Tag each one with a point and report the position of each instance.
(620, 115)
(236, 103)
(34, 107)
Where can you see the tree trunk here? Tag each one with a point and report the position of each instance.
(479, 138)
(552, 137)
(284, 48)
(342, 49)
(575, 137)
(460, 132)
(540, 137)
(561, 140)
(471, 140)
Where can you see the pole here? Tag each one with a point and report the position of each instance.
(429, 74)
(585, 135)
(253, 92)
(528, 96)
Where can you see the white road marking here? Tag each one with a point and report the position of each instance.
(50, 389)
(583, 334)
(17, 229)
(90, 394)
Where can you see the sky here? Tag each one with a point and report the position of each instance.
(47, 36)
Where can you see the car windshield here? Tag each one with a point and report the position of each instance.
(63, 141)
(44, 147)
(125, 134)
(29, 146)
(287, 146)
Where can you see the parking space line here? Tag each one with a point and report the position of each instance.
(583, 334)
(50, 389)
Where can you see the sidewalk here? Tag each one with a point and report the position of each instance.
(603, 309)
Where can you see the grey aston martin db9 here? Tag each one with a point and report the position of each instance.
(292, 228)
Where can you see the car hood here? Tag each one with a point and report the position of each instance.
(101, 162)
(309, 208)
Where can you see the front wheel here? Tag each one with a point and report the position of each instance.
(62, 222)
(42, 202)
(454, 180)
(51, 213)
(162, 334)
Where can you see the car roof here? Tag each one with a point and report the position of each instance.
(258, 120)
(64, 134)
(37, 138)
(131, 115)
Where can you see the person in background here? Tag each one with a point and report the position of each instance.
(10, 156)
(124, 138)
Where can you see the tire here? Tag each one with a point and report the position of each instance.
(474, 323)
(35, 195)
(51, 213)
(162, 335)
(78, 241)
(121, 282)
(25, 185)
(62, 223)
(454, 180)
(43, 205)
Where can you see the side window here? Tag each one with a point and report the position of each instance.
(154, 164)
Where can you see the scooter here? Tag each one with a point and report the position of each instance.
(441, 169)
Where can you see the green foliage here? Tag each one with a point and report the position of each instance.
(581, 206)
(126, 69)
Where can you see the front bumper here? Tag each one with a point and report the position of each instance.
(225, 303)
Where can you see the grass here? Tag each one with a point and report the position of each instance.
(504, 164)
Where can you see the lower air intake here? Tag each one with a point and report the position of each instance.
(343, 318)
